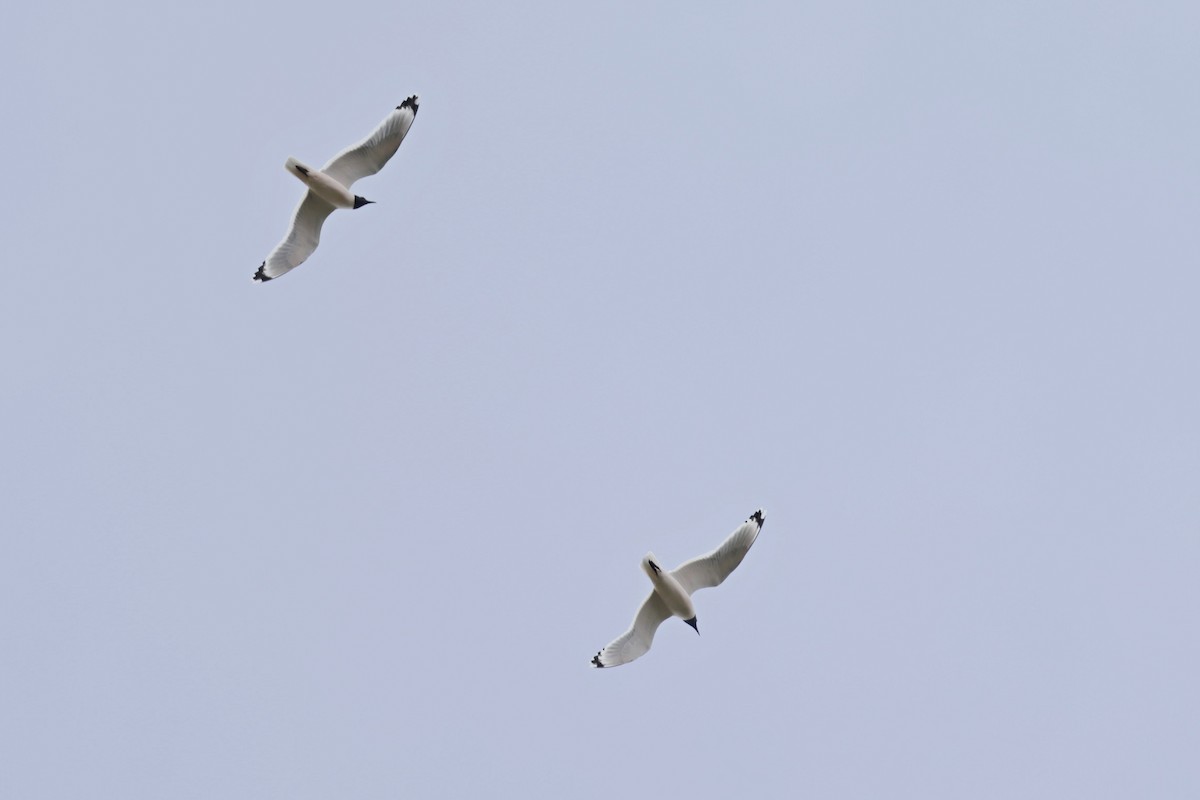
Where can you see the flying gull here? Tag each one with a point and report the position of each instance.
(672, 593)
(329, 188)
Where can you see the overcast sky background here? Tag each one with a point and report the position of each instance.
(918, 279)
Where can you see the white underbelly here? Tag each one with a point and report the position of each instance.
(677, 600)
(322, 185)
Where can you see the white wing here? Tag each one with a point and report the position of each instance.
(368, 156)
(300, 241)
(711, 569)
(635, 641)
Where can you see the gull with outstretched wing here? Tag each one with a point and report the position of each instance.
(672, 592)
(329, 189)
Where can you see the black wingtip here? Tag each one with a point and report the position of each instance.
(410, 102)
(596, 660)
(261, 276)
(758, 517)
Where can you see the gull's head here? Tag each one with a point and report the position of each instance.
(359, 202)
(651, 566)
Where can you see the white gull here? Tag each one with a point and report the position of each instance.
(329, 188)
(672, 592)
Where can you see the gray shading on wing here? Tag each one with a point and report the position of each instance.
(634, 642)
(368, 156)
(711, 569)
(301, 240)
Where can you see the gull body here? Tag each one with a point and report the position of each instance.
(667, 587)
(329, 189)
(324, 187)
(673, 590)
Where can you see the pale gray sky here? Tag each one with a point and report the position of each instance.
(918, 279)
